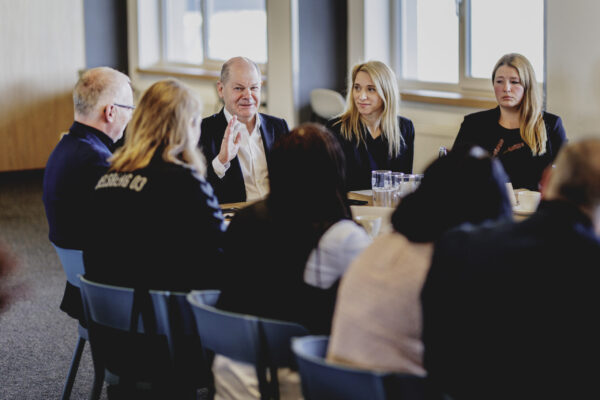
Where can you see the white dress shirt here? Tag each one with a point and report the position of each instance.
(252, 158)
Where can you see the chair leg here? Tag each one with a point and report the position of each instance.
(263, 384)
(97, 386)
(274, 382)
(66, 394)
(98, 382)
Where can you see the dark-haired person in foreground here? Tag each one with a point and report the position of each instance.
(510, 309)
(286, 254)
(377, 321)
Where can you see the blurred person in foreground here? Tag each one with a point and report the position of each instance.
(286, 254)
(377, 322)
(8, 291)
(510, 308)
(103, 102)
(372, 134)
(155, 222)
(237, 140)
(525, 138)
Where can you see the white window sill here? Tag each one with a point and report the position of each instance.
(448, 98)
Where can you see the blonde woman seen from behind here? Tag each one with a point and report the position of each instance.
(155, 224)
(372, 134)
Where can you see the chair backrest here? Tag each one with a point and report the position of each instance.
(229, 334)
(322, 380)
(265, 343)
(113, 307)
(72, 263)
(326, 103)
(175, 317)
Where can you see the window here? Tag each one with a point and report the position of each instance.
(207, 32)
(454, 44)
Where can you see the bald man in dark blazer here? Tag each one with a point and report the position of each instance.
(236, 141)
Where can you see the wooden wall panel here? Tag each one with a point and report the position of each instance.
(41, 52)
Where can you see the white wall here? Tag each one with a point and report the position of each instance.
(282, 68)
(573, 57)
(369, 31)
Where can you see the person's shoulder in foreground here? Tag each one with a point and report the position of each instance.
(491, 296)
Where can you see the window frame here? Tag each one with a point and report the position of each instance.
(467, 85)
(208, 64)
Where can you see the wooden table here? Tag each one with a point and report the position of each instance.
(351, 195)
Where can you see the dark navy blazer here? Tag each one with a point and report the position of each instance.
(231, 187)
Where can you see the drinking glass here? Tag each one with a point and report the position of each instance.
(397, 178)
(416, 181)
(381, 184)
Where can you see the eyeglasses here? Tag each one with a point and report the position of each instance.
(124, 106)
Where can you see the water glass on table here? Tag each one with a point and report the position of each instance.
(415, 181)
(383, 191)
(397, 184)
(408, 183)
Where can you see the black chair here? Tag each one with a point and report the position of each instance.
(159, 317)
(72, 263)
(322, 380)
(264, 343)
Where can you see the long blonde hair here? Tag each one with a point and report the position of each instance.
(387, 89)
(167, 117)
(531, 125)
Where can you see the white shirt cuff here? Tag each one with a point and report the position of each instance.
(219, 168)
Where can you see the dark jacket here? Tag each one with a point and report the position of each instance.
(71, 173)
(510, 309)
(266, 256)
(372, 154)
(523, 169)
(232, 188)
(72, 170)
(159, 227)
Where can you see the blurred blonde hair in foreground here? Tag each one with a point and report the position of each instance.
(167, 119)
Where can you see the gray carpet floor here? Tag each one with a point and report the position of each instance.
(36, 338)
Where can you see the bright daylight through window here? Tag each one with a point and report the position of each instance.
(201, 32)
(454, 44)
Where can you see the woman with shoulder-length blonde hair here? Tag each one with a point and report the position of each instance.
(372, 134)
(168, 124)
(525, 138)
(153, 209)
(155, 224)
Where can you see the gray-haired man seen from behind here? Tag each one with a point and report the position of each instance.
(103, 102)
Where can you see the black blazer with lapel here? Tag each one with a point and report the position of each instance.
(231, 187)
